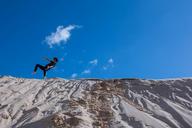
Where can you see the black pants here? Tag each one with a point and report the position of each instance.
(43, 68)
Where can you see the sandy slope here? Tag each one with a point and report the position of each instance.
(129, 103)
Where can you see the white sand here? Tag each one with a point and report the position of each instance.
(130, 103)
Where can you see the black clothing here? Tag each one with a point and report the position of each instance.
(45, 68)
(41, 67)
(50, 65)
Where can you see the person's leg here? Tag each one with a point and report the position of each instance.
(38, 66)
(42, 68)
(44, 73)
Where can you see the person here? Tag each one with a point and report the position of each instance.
(47, 67)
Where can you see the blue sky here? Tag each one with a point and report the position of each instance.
(98, 38)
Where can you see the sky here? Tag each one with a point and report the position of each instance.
(97, 38)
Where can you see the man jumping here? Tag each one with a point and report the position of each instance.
(47, 67)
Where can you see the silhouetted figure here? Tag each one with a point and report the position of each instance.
(47, 67)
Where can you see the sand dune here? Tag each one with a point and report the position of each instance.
(95, 103)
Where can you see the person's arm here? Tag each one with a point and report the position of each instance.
(47, 59)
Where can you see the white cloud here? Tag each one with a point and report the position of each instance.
(94, 62)
(74, 75)
(86, 71)
(110, 64)
(90, 67)
(110, 61)
(62, 35)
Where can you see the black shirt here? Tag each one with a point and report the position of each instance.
(50, 65)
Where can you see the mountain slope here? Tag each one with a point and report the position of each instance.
(86, 103)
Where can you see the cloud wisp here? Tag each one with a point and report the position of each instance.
(94, 62)
(62, 35)
(74, 75)
(87, 71)
(110, 64)
(110, 61)
(91, 65)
